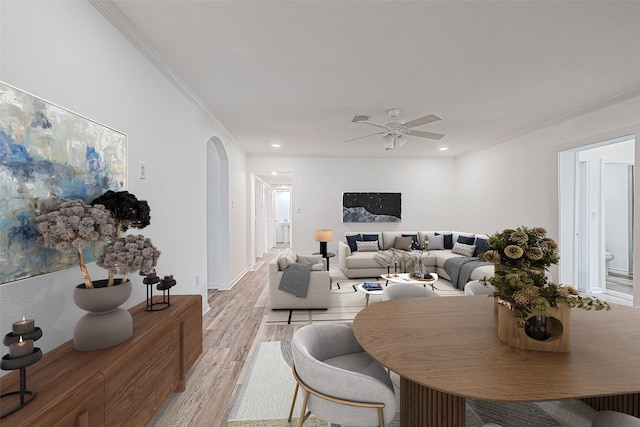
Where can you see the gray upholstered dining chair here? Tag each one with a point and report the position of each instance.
(341, 382)
(613, 418)
(405, 290)
(474, 287)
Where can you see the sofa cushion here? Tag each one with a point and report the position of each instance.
(362, 260)
(481, 245)
(371, 246)
(436, 242)
(448, 240)
(389, 239)
(414, 238)
(462, 249)
(404, 243)
(466, 240)
(351, 240)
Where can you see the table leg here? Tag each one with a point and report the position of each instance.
(366, 300)
(422, 406)
(627, 403)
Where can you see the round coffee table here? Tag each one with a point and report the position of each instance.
(368, 292)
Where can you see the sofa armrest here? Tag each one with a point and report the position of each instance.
(343, 252)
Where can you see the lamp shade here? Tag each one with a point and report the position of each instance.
(323, 235)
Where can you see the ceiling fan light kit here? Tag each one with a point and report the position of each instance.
(396, 130)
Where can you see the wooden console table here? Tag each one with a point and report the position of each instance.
(120, 386)
(447, 350)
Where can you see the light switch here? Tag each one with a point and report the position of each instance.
(142, 171)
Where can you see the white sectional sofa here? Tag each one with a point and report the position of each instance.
(442, 246)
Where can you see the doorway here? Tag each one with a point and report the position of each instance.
(282, 197)
(272, 225)
(596, 217)
(217, 215)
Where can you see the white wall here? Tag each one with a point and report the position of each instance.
(516, 183)
(427, 187)
(68, 54)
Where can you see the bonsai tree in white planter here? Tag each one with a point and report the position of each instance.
(74, 226)
(123, 255)
(126, 254)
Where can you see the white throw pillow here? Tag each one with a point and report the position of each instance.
(368, 246)
(462, 249)
(286, 257)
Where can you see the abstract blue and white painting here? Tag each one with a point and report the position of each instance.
(47, 155)
(371, 207)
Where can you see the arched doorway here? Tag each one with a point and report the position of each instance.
(217, 215)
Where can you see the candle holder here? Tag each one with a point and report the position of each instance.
(21, 363)
(163, 285)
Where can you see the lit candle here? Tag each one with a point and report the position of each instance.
(23, 327)
(20, 349)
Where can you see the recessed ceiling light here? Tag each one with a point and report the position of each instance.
(275, 145)
(274, 173)
(444, 148)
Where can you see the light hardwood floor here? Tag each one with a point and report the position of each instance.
(230, 329)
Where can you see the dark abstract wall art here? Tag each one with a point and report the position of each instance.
(371, 207)
(47, 155)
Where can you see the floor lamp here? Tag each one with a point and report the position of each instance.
(323, 236)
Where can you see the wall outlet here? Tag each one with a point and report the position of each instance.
(142, 171)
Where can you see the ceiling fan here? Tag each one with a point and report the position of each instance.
(396, 130)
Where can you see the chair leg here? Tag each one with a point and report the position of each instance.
(381, 417)
(295, 395)
(303, 417)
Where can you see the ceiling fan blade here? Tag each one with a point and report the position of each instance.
(373, 124)
(366, 136)
(422, 134)
(422, 121)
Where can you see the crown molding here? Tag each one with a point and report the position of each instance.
(114, 15)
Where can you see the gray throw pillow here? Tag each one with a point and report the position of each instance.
(403, 243)
(436, 243)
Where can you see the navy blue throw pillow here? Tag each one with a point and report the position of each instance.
(448, 240)
(465, 240)
(481, 245)
(351, 240)
(371, 238)
(414, 237)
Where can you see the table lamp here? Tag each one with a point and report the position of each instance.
(323, 236)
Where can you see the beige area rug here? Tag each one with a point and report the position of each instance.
(265, 394)
(345, 301)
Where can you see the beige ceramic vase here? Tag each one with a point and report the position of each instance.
(106, 324)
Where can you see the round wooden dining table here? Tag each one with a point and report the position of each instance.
(446, 350)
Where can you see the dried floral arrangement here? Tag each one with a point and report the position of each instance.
(527, 292)
(75, 224)
(521, 257)
(523, 247)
